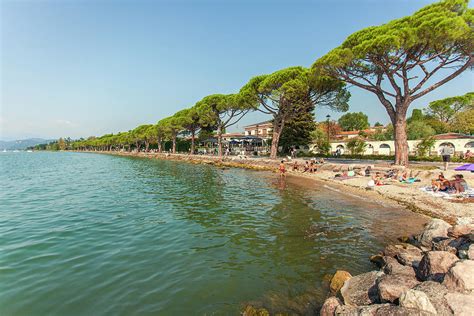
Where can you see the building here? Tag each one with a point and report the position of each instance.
(262, 130)
(351, 134)
(459, 142)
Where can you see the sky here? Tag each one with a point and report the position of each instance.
(77, 68)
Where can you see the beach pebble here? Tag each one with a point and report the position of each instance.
(338, 280)
(436, 228)
(390, 287)
(460, 276)
(418, 300)
(329, 306)
(361, 289)
(434, 265)
(461, 304)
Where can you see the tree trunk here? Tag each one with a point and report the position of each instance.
(219, 141)
(193, 133)
(277, 128)
(159, 145)
(147, 145)
(400, 137)
(174, 145)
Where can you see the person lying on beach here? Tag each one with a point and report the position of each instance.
(306, 166)
(378, 178)
(282, 168)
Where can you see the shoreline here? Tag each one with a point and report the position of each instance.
(408, 196)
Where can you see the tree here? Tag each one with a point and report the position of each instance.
(139, 136)
(416, 115)
(298, 131)
(354, 121)
(405, 59)
(172, 126)
(356, 146)
(191, 123)
(222, 111)
(446, 109)
(464, 122)
(419, 130)
(424, 146)
(287, 93)
(319, 137)
(378, 124)
(61, 144)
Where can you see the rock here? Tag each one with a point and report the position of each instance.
(392, 266)
(448, 244)
(346, 310)
(435, 228)
(410, 257)
(461, 304)
(377, 260)
(460, 276)
(390, 287)
(470, 252)
(460, 230)
(252, 311)
(434, 265)
(361, 289)
(435, 293)
(418, 300)
(329, 306)
(394, 250)
(338, 280)
(393, 310)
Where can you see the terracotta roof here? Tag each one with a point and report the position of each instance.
(261, 123)
(452, 136)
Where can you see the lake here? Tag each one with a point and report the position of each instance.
(92, 234)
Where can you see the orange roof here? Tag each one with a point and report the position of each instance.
(452, 136)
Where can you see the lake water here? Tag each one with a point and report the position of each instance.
(91, 234)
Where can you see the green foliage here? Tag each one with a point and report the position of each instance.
(354, 121)
(446, 109)
(419, 130)
(386, 134)
(425, 145)
(416, 115)
(356, 146)
(298, 131)
(464, 122)
(378, 124)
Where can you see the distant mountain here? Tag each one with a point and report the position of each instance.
(22, 144)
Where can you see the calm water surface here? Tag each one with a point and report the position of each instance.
(89, 234)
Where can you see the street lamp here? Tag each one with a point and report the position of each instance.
(328, 117)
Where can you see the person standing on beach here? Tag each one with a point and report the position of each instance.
(446, 153)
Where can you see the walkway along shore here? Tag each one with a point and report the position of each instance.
(431, 273)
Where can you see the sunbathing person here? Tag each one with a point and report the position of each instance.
(459, 184)
(440, 184)
(306, 167)
(295, 166)
(377, 178)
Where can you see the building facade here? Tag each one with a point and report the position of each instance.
(262, 130)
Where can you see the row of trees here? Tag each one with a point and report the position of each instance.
(399, 62)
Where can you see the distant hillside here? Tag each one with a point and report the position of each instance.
(22, 143)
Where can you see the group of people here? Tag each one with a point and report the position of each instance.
(310, 166)
(442, 184)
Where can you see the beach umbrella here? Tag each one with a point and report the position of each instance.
(466, 167)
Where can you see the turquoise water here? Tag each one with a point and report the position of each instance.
(90, 234)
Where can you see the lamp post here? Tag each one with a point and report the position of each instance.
(328, 117)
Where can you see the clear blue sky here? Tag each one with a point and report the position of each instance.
(81, 68)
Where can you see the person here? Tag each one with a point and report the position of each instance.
(377, 178)
(446, 153)
(459, 184)
(293, 153)
(468, 155)
(306, 166)
(440, 184)
(367, 171)
(295, 166)
(282, 168)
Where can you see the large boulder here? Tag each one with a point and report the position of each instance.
(436, 293)
(338, 280)
(470, 252)
(390, 287)
(418, 300)
(436, 228)
(361, 289)
(460, 230)
(392, 266)
(252, 311)
(410, 257)
(329, 306)
(448, 244)
(434, 265)
(393, 250)
(461, 304)
(460, 276)
(346, 310)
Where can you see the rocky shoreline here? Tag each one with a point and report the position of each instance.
(428, 274)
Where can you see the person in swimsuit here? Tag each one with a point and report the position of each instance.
(282, 168)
